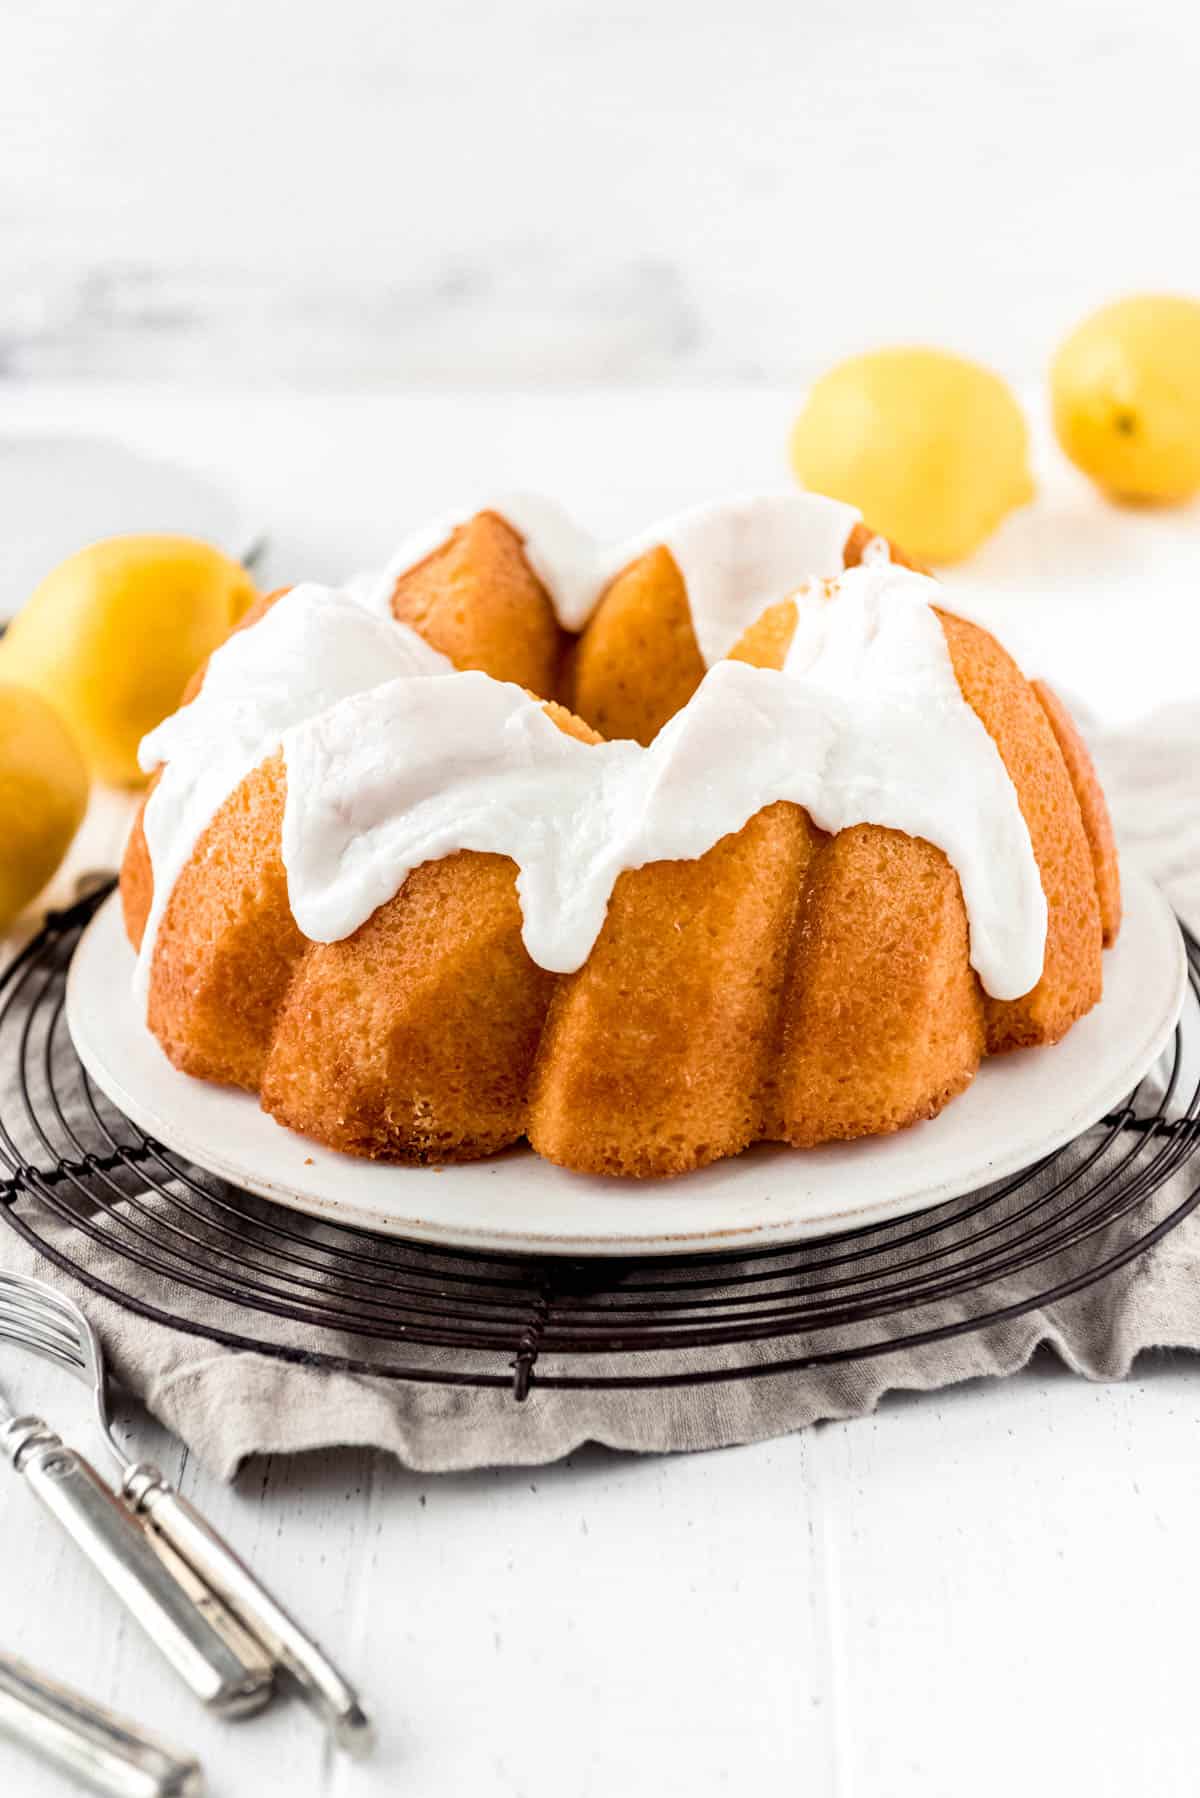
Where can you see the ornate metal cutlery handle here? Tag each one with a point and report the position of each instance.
(225, 1573)
(84, 1739)
(233, 1680)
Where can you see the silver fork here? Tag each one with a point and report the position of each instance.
(39, 1318)
(224, 1666)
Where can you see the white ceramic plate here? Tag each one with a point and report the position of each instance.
(1019, 1108)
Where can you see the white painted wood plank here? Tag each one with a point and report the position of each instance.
(54, 1611)
(58, 1615)
(633, 1625)
(996, 1579)
(640, 1625)
(1018, 1588)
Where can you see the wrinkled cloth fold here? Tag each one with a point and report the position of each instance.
(230, 1405)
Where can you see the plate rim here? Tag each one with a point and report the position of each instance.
(1139, 892)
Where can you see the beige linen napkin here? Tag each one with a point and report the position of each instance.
(229, 1405)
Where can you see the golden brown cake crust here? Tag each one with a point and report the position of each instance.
(637, 662)
(766, 643)
(1072, 978)
(882, 1020)
(414, 1038)
(479, 602)
(227, 944)
(1093, 808)
(654, 1053)
(786, 984)
(862, 534)
(137, 876)
(137, 880)
(1011, 712)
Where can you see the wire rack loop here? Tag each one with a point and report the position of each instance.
(136, 1223)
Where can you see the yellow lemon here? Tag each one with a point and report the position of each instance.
(43, 796)
(112, 635)
(931, 448)
(1126, 394)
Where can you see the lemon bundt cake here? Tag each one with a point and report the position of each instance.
(728, 833)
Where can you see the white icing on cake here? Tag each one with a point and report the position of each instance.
(313, 648)
(393, 760)
(736, 556)
(865, 725)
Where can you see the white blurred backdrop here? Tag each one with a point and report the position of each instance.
(376, 193)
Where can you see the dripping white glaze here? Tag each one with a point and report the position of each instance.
(736, 556)
(866, 724)
(394, 759)
(313, 648)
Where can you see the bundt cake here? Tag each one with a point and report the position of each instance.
(728, 833)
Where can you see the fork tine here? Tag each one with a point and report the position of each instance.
(12, 1294)
(50, 1351)
(19, 1322)
(37, 1317)
(38, 1288)
(21, 1329)
(19, 1306)
(16, 1316)
(34, 1292)
(31, 1300)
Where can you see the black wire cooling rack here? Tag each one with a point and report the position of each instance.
(138, 1224)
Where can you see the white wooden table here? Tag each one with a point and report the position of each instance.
(989, 1590)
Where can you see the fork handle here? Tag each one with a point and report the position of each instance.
(170, 1515)
(118, 1548)
(84, 1739)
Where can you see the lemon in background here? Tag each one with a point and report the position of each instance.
(43, 796)
(1125, 388)
(931, 448)
(111, 637)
